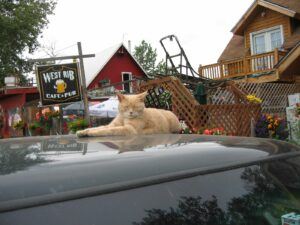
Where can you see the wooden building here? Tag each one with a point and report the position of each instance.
(16, 103)
(265, 46)
(111, 66)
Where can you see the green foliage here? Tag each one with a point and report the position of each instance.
(21, 23)
(161, 67)
(159, 99)
(147, 56)
(78, 124)
(19, 125)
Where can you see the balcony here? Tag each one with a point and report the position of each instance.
(14, 86)
(255, 64)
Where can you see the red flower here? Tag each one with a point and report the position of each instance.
(38, 116)
(207, 132)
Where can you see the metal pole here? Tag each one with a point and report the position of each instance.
(83, 84)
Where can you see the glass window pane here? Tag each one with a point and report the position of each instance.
(275, 39)
(259, 44)
(267, 41)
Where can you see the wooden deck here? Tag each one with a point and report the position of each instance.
(256, 64)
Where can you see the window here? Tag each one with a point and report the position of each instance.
(127, 87)
(266, 40)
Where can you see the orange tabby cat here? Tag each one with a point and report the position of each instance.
(134, 118)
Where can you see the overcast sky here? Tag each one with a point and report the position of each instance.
(202, 27)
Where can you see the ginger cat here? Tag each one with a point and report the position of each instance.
(134, 118)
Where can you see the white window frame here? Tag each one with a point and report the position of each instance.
(267, 40)
(130, 78)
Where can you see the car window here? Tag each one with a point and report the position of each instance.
(259, 194)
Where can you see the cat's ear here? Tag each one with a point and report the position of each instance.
(143, 95)
(120, 97)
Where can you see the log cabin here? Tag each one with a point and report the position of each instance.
(265, 46)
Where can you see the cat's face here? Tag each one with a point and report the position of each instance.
(131, 106)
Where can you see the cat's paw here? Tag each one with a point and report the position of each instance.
(82, 133)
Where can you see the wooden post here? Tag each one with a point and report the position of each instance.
(83, 85)
(61, 119)
(200, 70)
(276, 56)
(245, 66)
(221, 70)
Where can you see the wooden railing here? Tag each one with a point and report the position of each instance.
(241, 67)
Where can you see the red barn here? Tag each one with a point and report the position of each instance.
(111, 66)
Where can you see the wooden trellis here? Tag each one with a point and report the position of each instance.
(274, 95)
(183, 103)
(235, 118)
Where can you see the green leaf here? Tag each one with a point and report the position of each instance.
(21, 24)
(146, 56)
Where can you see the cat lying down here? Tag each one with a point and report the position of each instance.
(134, 118)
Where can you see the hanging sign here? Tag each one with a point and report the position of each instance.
(59, 84)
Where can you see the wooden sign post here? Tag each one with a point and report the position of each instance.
(61, 85)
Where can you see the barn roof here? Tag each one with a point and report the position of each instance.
(94, 65)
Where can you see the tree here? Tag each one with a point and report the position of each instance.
(21, 23)
(147, 56)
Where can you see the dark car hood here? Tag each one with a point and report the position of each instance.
(41, 170)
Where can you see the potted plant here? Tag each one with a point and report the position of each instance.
(36, 128)
(271, 126)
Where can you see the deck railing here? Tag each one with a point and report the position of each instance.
(241, 67)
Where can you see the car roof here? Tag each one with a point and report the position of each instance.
(42, 170)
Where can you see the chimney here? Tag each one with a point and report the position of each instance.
(129, 46)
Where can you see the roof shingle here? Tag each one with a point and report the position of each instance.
(293, 5)
(234, 49)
